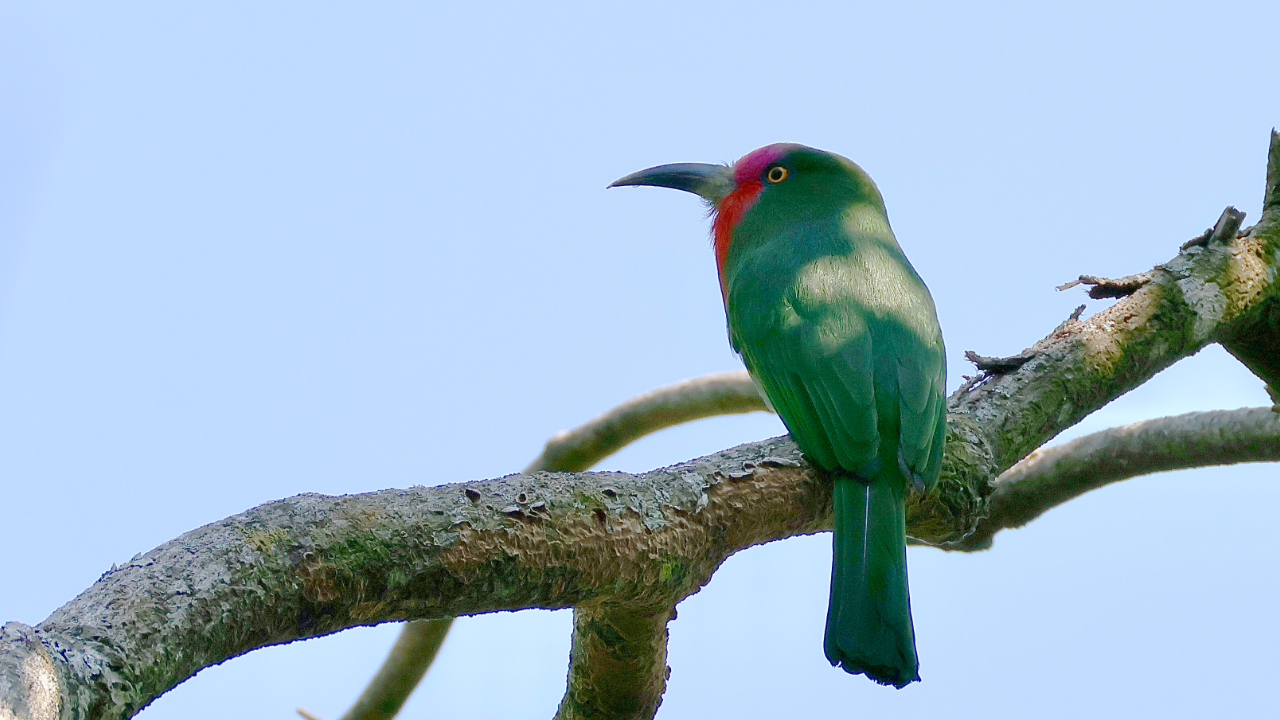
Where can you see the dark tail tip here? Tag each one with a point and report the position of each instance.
(884, 675)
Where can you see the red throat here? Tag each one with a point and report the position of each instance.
(728, 213)
(746, 178)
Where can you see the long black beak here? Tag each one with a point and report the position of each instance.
(711, 182)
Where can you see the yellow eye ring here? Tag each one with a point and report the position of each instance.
(776, 174)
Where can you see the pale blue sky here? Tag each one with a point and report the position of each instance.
(251, 251)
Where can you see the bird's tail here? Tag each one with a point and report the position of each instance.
(869, 628)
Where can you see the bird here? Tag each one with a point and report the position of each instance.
(841, 336)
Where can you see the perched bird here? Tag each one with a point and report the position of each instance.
(841, 335)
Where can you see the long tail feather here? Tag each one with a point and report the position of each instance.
(869, 628)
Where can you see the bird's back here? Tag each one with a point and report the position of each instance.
(842, 334)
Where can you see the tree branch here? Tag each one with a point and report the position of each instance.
(312, 564)
(567, 451)
(580, 448)
(1255, 341)
(618, 663)
(1051, 476)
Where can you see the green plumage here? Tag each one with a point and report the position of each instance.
(842, 337)
(841, 334)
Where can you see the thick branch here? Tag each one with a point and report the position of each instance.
(567, 451)
(312, 565)
(1051, 476)
(1204, 294)
(618, 663)
(1255, 340)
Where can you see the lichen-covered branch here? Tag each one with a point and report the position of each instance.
(618, 660)
(312, 564)
(618, 663)
(567, 451)
(1255, 339)
(1190, 301)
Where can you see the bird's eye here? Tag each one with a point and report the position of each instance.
(776, 174)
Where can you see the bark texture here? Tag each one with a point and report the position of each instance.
(569, 451)
(618, 663)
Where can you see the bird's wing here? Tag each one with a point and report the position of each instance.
(817, 367)
(921, 380)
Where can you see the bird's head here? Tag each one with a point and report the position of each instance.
(783, 182)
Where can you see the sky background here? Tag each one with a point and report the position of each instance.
(255, 250)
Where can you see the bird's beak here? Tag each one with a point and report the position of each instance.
(711, 182)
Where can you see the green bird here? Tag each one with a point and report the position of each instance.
(841, 335)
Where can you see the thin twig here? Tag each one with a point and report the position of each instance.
(998, 365)
(589, 443)
(1053, 475)
(1103, 287)
(410, 657)
(1228, 225)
